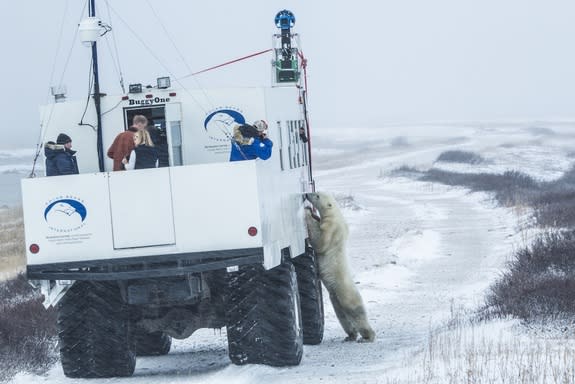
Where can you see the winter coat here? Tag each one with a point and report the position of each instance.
(261, 148)
(121, 147)
(143, 156)
(59, 160)
(146, 157)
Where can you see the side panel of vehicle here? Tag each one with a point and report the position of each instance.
(142, 213)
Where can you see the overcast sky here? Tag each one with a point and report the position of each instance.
(370, 62)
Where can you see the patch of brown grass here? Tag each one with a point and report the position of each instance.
(12, 245)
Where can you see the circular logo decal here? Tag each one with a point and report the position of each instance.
(65, 215)
(219, 124)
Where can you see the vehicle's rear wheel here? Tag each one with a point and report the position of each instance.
(310, 297)
(152, 343)
(264, 317)
(94, 332)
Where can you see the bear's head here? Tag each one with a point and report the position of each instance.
(322, 201)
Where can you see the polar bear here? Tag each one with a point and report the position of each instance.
(328, 235)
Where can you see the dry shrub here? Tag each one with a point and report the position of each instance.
(456, 156)
(27, 330)
(540, 282)
(555, 208)
(510, 188)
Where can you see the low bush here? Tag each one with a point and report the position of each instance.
(510, 188)
(403, 171)
(554, 208)
(456, 156)
(540, 282)
(27, 330)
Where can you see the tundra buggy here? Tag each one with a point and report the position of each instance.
(132, 259)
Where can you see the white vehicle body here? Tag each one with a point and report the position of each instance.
(214, 236)
(200, 207)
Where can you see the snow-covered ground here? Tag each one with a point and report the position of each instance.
(418, 250)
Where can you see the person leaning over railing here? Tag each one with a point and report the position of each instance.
(251, 142)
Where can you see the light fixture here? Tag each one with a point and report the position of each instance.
(59, 93)
(135, 88)
(90, 30)
(164, 82)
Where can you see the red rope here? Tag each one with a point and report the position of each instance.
(304, 66)
(227, 63)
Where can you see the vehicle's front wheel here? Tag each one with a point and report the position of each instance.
(94, 332)
(264, 318)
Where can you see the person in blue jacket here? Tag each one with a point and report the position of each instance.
(60, 158)
(251, 142)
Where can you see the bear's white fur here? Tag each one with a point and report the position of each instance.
(328, 237)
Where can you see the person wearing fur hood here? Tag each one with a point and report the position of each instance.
(60, 158)
(251, 142)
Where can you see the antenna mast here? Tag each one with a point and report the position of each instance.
(97, 95)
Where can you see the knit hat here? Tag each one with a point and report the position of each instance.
(260, 125)
(63, 139)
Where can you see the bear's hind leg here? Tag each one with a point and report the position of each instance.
(343, 320)
(365, 330)
(354, 310)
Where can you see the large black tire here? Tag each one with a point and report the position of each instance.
(152, 343)
(310, 297)
(94, 332)
(264, 317)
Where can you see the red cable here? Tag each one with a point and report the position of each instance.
(304, 66)
(227, 63)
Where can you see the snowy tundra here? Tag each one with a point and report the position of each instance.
(417, 250)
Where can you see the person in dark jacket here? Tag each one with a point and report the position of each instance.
(60, 158)
(251, 142)
(144, 155)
